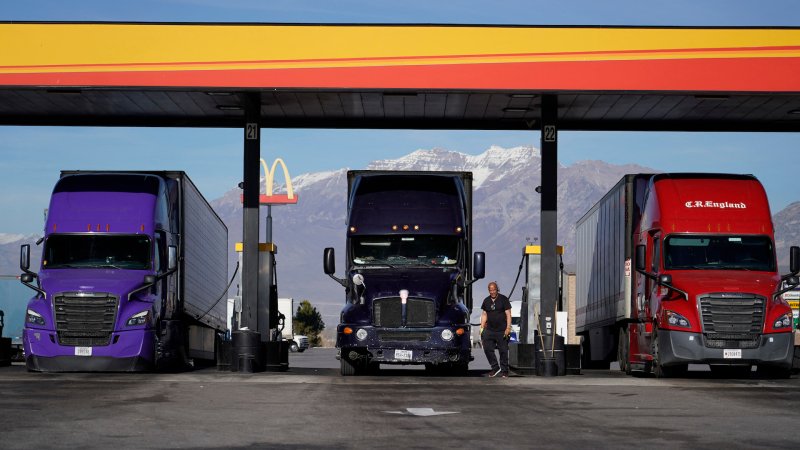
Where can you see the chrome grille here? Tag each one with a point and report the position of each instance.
(85, 320)
(732, 320)
(420, 313)
(388, 312)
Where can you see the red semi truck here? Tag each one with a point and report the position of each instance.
(678, 269)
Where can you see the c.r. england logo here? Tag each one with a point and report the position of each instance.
(717, 205)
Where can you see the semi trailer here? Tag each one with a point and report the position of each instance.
(132, 276)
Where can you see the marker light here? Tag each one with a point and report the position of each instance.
(405, 227)
(352, 229)
(347, 330)
(460, 331)
(447, 335)
(394, 227)
(416, 227)
(458, 229)
(361, 334)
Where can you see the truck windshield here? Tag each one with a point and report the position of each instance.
(79, 251)
(405, 250)
(719, 253)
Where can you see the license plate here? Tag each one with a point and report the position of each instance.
(83, 351)
(403, 355)
(794, 304)
(732, 353)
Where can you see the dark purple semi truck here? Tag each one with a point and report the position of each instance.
(133, 266)
(409, 271)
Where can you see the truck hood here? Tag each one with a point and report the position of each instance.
(698, 282)
(425, 283)
(114, 281)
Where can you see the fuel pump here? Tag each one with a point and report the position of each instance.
(540, 353)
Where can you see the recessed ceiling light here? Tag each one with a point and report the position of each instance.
(229, 107)
(517, 110)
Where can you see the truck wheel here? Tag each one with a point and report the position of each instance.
(293, 346)
(665, 372)
(460, 369)
(347, 368)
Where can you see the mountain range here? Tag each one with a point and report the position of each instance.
(506, 212)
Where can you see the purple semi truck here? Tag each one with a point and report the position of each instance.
(133, 268)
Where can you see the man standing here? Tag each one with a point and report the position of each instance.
(495, 330)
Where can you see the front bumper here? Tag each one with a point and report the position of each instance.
(128, 351)
(678, 347)
(380, 350)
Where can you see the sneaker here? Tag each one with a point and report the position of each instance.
(504, 375)
(492, 374)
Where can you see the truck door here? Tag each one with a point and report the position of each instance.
(649, 294)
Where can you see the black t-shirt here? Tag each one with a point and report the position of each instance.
(496, 312)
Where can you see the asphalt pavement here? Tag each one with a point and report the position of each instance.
(312, 406)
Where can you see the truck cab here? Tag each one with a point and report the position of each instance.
(409, 271)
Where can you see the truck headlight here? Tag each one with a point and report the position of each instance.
(139, 318)
(34, 317)
(361, 334)
(782, 321)
(447, 335)
(676, 320)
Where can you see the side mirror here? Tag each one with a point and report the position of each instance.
(149, 279)
(793, 281)
(478, 265)
(25, 257)
(794, 259)
(640, 257)
(665, 279)
(329, 261)
(26, 278)
(172, 257)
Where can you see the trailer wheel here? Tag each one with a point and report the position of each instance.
(623, 350)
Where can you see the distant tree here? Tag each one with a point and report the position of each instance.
(308, 322)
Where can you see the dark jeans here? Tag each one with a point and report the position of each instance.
(492, 340)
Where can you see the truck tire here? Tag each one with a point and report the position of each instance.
(623, 350)
(665, 372)
(347, 368)
(293, 346)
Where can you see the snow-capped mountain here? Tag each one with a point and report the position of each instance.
(506, 215)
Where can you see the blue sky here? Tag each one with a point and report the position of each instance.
(31, 157)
